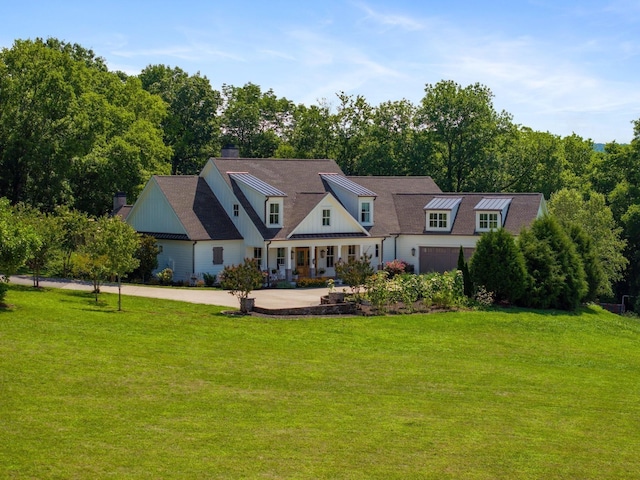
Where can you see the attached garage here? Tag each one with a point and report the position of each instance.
(441, 259)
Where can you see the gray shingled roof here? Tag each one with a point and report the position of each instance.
(385, 214)
(297, 179)
(197, 208)
(522, 211)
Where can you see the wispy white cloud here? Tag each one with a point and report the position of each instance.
(390, 20)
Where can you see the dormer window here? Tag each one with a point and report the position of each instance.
(488, 221)
(274, 214)
(365, 212)
(491, 213)
(441, 213)
(438, 220)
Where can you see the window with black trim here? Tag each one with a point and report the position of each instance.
(236, 210)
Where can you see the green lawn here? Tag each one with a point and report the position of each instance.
(173, 390)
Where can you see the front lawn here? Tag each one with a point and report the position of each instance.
(174, 390)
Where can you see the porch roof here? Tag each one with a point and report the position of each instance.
(309, 236)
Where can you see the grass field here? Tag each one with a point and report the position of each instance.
(173, 390)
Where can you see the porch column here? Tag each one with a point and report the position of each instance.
(312, 262)
(287, 259)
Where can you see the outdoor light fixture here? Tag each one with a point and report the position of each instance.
(322, 252)
(413, 252)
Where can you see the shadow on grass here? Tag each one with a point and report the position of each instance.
(583, 310)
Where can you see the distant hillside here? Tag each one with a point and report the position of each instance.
(598, 147)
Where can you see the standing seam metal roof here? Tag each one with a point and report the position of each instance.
(347, 184)
(439, 203)
(257, 184)
(493, 203)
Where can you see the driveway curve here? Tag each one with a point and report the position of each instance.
(266, 298)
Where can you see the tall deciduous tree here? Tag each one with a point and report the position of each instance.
(191, 127)
(593, 215)
(465, 125)
(253, 120)
(71, 132)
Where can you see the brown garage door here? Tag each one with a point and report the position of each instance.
(441, 259)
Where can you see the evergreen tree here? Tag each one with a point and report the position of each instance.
(498, 265)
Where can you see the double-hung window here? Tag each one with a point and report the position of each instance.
(365, 212)
(326, 217)
(274, 214)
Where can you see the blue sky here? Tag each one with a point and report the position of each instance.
(557, 66)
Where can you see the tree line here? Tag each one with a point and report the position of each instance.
(73, 133)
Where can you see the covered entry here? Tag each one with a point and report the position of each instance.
(441, 259)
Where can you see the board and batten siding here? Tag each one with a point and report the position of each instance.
(152, 212)
(232, 254)
(176, 255)
(341, 220)
(227, 199)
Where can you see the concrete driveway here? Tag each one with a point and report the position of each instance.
(267, 298)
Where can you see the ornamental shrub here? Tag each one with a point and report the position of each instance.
(241, 279)
(395, 267)
(355, 272)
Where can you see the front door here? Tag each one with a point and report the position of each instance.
(302, 261)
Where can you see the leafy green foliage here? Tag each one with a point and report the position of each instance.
(595, 218)
(147, 255)
(110, 249)
(18, 241)
(355, 271)
(464, 125)
(497, 265)
(72, 133)
(49, 230)
(241, 279)
(555, 269)
(191, 127)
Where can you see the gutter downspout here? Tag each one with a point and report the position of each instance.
(381, 261)
(395, 245)
(267, 256)
(193, 259)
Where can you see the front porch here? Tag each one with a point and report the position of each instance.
(288, 261)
